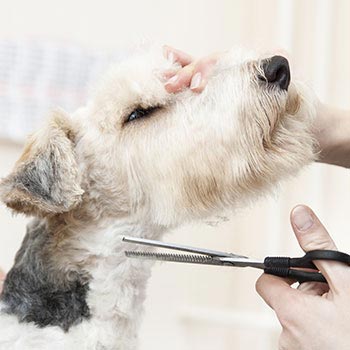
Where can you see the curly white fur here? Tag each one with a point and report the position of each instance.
(195, 155)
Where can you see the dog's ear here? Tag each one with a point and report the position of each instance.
(45, 179)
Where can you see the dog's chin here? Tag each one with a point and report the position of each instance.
(288, 106)
(293, 100)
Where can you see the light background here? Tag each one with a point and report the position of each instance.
(191, 307)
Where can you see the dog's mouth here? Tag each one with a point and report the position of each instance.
(278, 94)
(293, 100)
(273, 104)
(279, 104)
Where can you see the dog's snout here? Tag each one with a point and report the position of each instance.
(276, 71)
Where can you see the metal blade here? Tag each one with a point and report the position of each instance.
(183, 248)
(182, 258)
(196, 259)
(245, 262)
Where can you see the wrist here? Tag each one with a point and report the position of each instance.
(332, 131)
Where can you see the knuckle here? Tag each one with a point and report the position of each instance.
(204, 64)
(184, 77)
(319, 241)
(188, 70)
(259, 284)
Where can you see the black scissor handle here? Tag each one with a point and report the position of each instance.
(280, 266)
(298, 275)
(313, 255)
(306, 261)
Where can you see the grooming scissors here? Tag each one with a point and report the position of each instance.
(273, 265)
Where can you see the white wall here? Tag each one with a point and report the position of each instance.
(192, 307)
(12, 227)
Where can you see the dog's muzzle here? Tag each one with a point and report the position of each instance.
(276, 71)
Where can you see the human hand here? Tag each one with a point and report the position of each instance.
(316, 316)
(193, 74)
(332, 132)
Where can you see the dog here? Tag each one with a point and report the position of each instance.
(139, 161)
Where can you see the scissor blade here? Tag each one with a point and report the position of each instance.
(182, 258)
(196, 259)
(181, 247)
(242, 262)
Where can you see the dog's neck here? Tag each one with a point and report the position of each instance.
(87, 270)
(117, 286)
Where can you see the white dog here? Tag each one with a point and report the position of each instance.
(138, 161)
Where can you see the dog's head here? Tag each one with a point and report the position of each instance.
(137, 151)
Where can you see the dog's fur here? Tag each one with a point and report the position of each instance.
(92, 177)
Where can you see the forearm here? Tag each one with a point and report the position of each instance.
(332, 130)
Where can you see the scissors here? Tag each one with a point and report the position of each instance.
(273, 265)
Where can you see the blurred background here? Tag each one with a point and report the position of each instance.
(51, 52)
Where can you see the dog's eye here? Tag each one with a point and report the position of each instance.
(141, 113)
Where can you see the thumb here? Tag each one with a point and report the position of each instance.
(312, 235)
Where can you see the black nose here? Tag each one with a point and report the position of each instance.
(276, 71)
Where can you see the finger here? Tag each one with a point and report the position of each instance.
(181, 80)
(314, 288)
(178, 56)
(169, 73)
(202, 70)
(276, 292)
(312, 235)
(194, 75)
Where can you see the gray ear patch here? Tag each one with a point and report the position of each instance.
(35, 292)
(39, 178)
(46, 179)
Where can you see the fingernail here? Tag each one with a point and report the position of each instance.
(196, 80)
(172, 80)
(302, 218)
